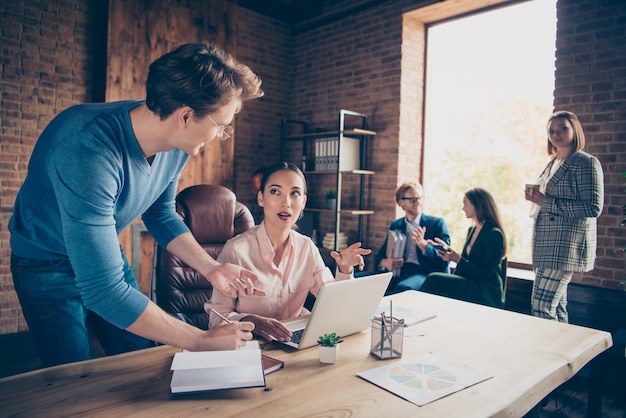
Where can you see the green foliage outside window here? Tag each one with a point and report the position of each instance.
(504, 148)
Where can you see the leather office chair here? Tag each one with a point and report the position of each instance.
(213, 215)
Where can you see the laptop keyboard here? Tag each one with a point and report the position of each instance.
(296, 336)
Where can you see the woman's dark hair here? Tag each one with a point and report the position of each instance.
(486, 210)
(283, 165)
(200, 76)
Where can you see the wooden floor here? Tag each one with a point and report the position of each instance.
(570, 400)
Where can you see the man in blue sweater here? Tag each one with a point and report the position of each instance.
(94, 170)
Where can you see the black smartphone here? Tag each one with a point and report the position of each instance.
(440, 248)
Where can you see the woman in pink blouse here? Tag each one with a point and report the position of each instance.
(287, 263)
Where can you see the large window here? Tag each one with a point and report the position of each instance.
(489, 93)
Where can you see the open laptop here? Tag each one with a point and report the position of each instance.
(344, 307)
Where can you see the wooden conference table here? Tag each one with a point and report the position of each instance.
(528, 358)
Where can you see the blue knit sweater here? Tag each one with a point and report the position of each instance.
(87, 181)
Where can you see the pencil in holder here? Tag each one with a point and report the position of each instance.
(387, 337)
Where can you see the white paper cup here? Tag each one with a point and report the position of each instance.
(531, 188)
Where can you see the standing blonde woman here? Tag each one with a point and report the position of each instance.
(570, 198)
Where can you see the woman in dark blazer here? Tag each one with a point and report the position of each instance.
(478, 276)
(566, 208)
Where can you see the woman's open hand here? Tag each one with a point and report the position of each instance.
(349, 257)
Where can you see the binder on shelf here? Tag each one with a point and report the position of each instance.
(321, 154)
(396, 241)
(327, 151)
(318, 152)
(350, 154)
(327, 156)
(334, 146)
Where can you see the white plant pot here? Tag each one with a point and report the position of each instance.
(331, 204)
(328, 354)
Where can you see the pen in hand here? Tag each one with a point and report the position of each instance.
(221, 316)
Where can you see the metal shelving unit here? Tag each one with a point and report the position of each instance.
(350, 125)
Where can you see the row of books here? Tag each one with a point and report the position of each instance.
(327, 156)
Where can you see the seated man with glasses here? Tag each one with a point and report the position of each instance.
(420, 258)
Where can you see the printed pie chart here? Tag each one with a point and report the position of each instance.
(422, 376)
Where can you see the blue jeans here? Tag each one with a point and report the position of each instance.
(57, 317)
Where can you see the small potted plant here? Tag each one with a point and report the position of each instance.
(329, 347)
(331, 199)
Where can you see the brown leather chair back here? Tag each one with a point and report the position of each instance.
(213, 215)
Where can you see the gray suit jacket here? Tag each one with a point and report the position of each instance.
(564, 235)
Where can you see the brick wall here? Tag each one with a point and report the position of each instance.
(49, 49)
(352, 61)
(264, 45)
(591, 82)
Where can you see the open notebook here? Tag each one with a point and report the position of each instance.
(343, 307)
(211, 370)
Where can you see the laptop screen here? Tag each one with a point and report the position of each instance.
(344, 307)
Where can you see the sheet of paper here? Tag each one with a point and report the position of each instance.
(423, 379)
(411, 316)
(215, 359)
